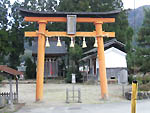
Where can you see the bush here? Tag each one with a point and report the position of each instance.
(140, 79)
(130, 79)
(69, 76)
(143, 80)
(79, 77)
(144, 87)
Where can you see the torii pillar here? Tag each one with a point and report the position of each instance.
(101, 59)
(40, 60)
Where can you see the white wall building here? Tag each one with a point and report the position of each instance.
(115, 61)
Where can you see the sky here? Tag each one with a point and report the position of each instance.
(138, 3)
(127, 3)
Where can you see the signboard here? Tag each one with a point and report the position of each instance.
(124, 76)
(73, 78)
(71, 24)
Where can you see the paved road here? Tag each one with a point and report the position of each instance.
(123, 107)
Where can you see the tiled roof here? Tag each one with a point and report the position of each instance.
(108, 44)
(53, 49)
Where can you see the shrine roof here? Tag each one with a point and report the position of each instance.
(109, 14)
(53, 50)
(108, 44)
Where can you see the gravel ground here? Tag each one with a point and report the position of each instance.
(55, 94)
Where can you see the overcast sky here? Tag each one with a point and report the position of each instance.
(138, 3)
(127, 3)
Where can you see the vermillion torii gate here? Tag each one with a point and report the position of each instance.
(97, 18)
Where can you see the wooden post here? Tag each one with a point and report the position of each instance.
(134, 96)
(101, 58)
(11, 93)
(17, 88)
(40, 63)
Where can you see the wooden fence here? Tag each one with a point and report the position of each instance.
(7, 95)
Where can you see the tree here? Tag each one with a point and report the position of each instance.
(74, 55)
(4, 6)
(16, 36)
(5, 45)
(143, 49)
(130, 51)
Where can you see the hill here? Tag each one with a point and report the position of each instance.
(139, 16)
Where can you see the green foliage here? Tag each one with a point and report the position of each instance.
(5, 46)
(1, 78)
(4, 4)
(143, 80)
(74, 55)
(30, 69)
(143, 49)
(130, 79)
(16, 36)
(79, 77)
(18, 26)
(68, 78)
(144, 87)
(4, 43)
(140, 79)
(39, 5)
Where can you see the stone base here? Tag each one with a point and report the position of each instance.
(2, 101)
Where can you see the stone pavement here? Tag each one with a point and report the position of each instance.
(117, 107)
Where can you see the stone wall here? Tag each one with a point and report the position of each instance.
(141, 95)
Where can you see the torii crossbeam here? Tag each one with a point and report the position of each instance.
(98, 18)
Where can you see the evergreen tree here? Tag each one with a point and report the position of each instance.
(19, 26)
(4, 6)
(16, 36)
(75, 54)
(143, 49)
(4, 40)
(5, 46)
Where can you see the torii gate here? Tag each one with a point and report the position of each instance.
(97, 18)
